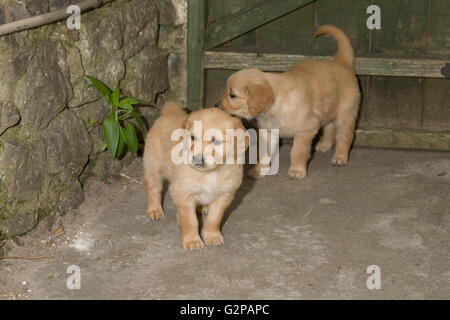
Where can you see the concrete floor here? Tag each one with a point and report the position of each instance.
(284, 239)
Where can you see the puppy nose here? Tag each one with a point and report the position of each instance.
(198, 160)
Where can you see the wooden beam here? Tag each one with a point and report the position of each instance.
(399, 139)
(195, 53)
(249, 19)
(403, 139)
(424, 68)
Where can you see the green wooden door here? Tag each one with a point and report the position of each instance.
(406, 99)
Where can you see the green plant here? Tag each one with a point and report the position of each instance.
(117, 130)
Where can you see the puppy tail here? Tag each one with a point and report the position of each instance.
(172, 109)
(345, 52)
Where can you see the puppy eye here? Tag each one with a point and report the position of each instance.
(215, 141)
(232, 95)
(193, 138)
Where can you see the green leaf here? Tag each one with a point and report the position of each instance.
(131, 100)
(111, 131)
(121, 143)
(130, 137)
(101, 88)
(124, 105)
(115, 97)
(140, 123)
(125, 116)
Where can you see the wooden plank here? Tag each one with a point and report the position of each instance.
(291, 33)
(257, 15)
(195, 52)
(220, 10)
(350, 16)
(249, 40)
(246, 42)
(364, 66)
(403, 139)
(403, 30)
(364, 83)
(397, 102)
(399, 139)
(436, 105)
(438, 43)
(216, 81)
(393, 102)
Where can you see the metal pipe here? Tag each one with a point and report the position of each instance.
(48, 18)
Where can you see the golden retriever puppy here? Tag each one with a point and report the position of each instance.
(206, 180)
(311, 95)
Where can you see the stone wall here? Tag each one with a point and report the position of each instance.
(47, 149)
(173, 35)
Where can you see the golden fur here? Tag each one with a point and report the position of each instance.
(312, 95)
(211, 186)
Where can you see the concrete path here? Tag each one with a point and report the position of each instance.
(284, 239)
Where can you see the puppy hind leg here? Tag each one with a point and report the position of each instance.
(300, 153)
(153, 184)
(345, 125)
(328, 137)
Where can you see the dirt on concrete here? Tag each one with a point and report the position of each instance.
(284, 239)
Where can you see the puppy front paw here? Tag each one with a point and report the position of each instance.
(155, 213)
(297, 173)
(213, 238)
(193, 243)
(339, 160)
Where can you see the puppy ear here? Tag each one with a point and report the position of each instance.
(260, 98)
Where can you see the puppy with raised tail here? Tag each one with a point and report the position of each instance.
(311, 95)
(209, 183)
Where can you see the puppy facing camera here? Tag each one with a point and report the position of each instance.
(193, 153)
